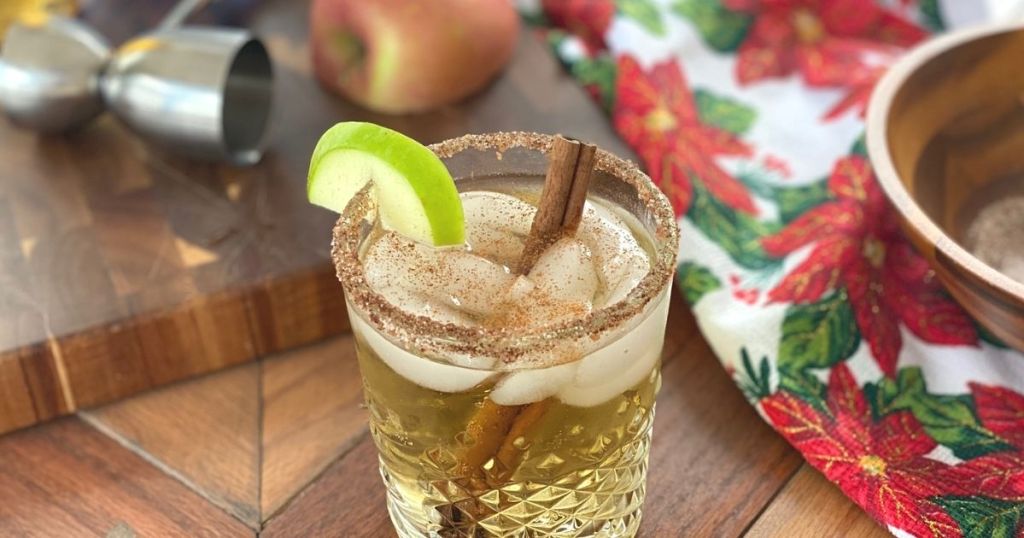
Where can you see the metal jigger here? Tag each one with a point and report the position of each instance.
(49, 73)
(201, 92)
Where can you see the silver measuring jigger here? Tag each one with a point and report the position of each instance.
(49, 73)
(203, 92)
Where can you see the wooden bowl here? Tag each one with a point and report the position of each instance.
(945, 132)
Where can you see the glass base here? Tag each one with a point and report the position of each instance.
(603, 501)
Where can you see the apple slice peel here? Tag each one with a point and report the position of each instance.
(416, 195)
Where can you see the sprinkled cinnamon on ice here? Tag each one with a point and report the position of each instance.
(448, 306)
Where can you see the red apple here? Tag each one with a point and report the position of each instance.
(400, 56)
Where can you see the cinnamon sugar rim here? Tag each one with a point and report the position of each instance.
(426, 336)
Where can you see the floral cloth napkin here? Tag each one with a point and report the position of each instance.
(749, 115)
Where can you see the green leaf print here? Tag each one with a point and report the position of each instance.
(696, 280)
(755, 383)
(598, 72)
(722, 30)
(805, 385)
(818, 335)
(722, 112)
(990, 338)
(794, 201)
(859, 146)
(949, 419)
(737, 233)
(644, 12)
(791, 201)
(554, 39)
(757, 182)
(982, 517)
(533, 16)
(932, 15)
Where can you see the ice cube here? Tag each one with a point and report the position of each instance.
(443, 278)
(634, 371)
(520, 289)
(622, 262)
(615, 356)
(468, 282)
(565, 272)
(422, 371)
(527, 386)
(421, 305)
(620, 364)
(496, 225)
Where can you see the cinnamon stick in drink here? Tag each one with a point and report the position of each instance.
(554, 200)
(559, 212)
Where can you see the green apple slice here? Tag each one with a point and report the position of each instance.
(416, 196)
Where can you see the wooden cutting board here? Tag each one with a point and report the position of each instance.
(123, 269)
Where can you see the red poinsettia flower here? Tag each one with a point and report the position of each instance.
(858, 91)
(829, 42)
(880, 465)
(858, 94)
(587, 19)
(999, 475)
(655, 113)
(858, 249)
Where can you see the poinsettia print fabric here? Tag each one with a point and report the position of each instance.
(749, 116)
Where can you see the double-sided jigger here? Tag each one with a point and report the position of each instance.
(200, 91)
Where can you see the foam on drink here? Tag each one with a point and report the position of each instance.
(475, 285)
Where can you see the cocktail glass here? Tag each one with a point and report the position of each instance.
(573, 460)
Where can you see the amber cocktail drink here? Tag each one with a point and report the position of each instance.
(507, 404)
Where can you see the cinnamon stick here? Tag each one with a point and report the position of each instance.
(557, 198)
(494, 428)
(559, 212)
(508, 453)
(488, 427)
(580, 184)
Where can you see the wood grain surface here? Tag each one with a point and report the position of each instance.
(69, 480)
(716, 468)
(206, 432)
(123, 269)
(251, 437)
(714, 463)
(810, 505)
(347, 501)
(312, 413)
